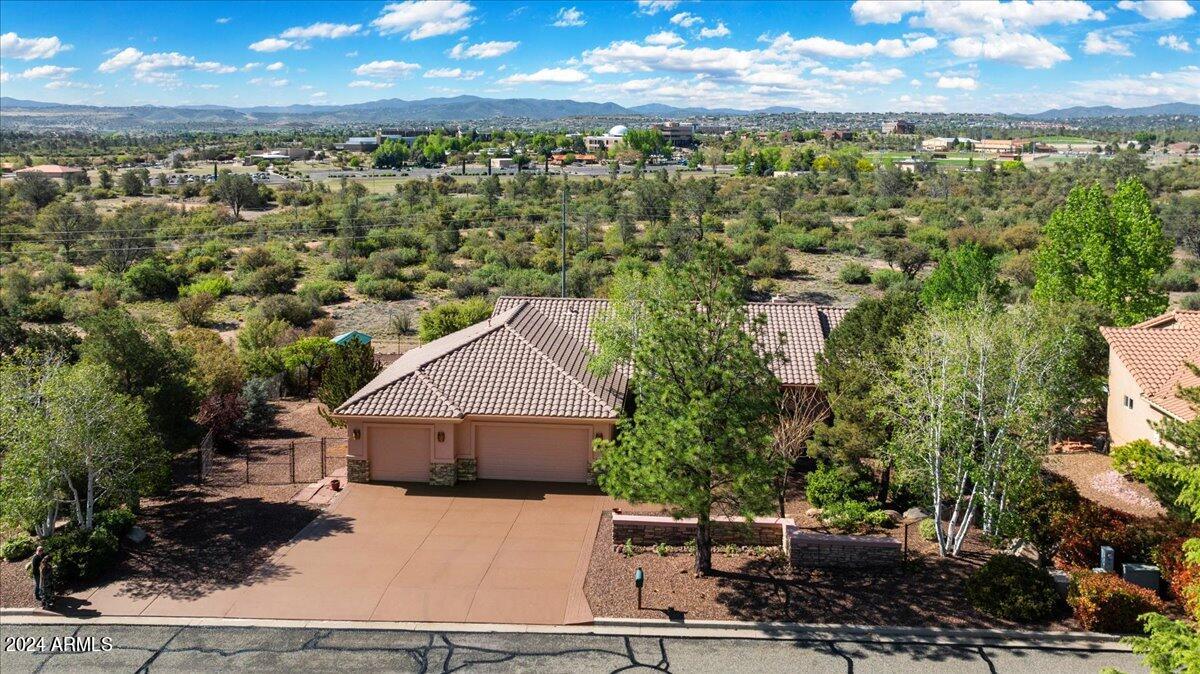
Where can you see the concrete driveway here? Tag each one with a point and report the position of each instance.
(489, 551)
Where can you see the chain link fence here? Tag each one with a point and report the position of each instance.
(289, 461)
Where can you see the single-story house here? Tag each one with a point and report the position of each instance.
(1147, 365)
(511, 398)
(51, 170)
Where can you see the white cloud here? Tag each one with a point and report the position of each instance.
(324, 30)
(665, 38)
(223, 19)
(686, 19)
(547, 76)
(13, 46)
(271, 44)
(268, 82)
(569, 17)
(278, 65)
(966, 83)
(1131, 91)
(825, 47)
(482, 50)
(367, 84)
(452, 73)
(931, 103)
(1023, 49)
(626, 57)
(915, 82)
(652, 7)
(160, 67)
(68, 84)
(252, 65)
(420, 19)
(1159, 10)
(720, 30)
(4, 76)
(1100, 43)
(47, 72)
(976, 17)
(318, 94)
(387, 70)
(860, 75)
(1174, 42)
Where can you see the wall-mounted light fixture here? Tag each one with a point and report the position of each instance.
(356, 433)
(441, 436)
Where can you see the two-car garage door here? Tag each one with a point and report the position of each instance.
(532, 452)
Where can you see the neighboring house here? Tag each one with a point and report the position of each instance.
(1147, 364)
(511, 398)
(51, 170)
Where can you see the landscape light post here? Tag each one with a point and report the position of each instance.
(639, 579)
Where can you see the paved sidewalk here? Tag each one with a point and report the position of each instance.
(329, 648)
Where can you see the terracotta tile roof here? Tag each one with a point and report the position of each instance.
(530, 359)
(519, 363)
(1156, 353)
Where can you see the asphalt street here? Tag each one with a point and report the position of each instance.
(167, 648)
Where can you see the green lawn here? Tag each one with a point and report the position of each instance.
(1073, 140)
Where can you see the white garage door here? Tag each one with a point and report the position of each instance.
(399, 453)
(533, 452)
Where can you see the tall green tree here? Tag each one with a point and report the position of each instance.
(962, 277)
(237, 191)
(699, 440)
(348, 368)
(1108, 251)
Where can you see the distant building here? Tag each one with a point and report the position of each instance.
(678, 134)
(358, 144)
(502, 163)
(909, 165)
(899, 127)
(1185, 147)
(837, 134)
(51, 170)
(943, 144)
(605, 142)
(582, 158)
(999, 145)
(284, 154)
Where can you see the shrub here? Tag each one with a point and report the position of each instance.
(322, 292)
(383, 289)
(79, 555)
(217, 286)
(193, 309)
(1190, 302)
(1086, 529)
(853, 516)
(44, 308)
(830, 484)
(117, 521)
(437, 279)
(855, 274)
(269, 280)
(886, 278)
(343, 270)
(1143, 461)
(1012, 588)
(1103, 602)
(152, 278)
(468, 286)
(451, 317)
(288, 308)
(1177, 280)
(928, 529)
(18, 547)
(259, 412)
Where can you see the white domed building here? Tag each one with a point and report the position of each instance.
(605, 142)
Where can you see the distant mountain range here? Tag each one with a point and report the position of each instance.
(430, 109)
(20, 113)
(1081, 112)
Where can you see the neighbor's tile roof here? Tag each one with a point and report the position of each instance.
(1157, 353)
(530, 359)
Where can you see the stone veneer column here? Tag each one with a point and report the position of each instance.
(358, 470)
(443, 474)
(465, 469)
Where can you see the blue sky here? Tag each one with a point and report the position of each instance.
(895, 55)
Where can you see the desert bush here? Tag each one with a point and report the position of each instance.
(468, 286)
(322, 292)
(1104, 602)
(342, 270)
(1144, 461)
(383, 288)
(450, 317)
(854, 273)
(288, 308)
(854, 516)
(152, 278)
(268, 280)
(193, 309)
(79, 555)
(829, 484)
(928, 529)
(1177, 280)
(18, 547)
(216, 285)
(1190, 302)
(118, 521)
(1012, 588)
(886, 278)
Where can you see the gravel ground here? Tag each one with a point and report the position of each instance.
(749, 586)
(1095, 479)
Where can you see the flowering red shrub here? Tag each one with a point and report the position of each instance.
(1086, 529)
(1103, 602)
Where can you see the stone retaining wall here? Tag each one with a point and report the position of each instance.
(812, 549)
(648, 530)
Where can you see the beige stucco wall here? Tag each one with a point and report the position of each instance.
(1126, 425)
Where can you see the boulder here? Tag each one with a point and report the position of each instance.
(136, 535)
(813, 512)
(915, 514)
(893, 515)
